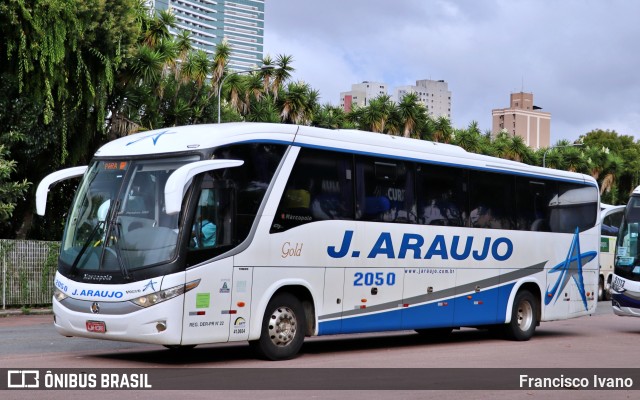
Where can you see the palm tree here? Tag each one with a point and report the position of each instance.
(293, 103)
(442, 130)
(147, 65)
(267, 73)
(411, 112)
(158, 28)
(263, 110)
(330, 117)
(183, 48)
(254, 90)
(574, 159)
(516, 149)
(220, 61)
(614, 167)
(282, 73)
(468, 139)
(378, 112)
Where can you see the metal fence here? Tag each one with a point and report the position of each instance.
(27, 268)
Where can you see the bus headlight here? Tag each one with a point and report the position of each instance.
(163, 295)
(59, 294)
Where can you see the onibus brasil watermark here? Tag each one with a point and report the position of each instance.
(31, 379)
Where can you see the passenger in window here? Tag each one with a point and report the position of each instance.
(432, 215)
(442, 211)
(481, 217)
(450, 210)
(325, 199)
(204, 231)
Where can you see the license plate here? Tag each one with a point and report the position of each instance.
(617, 284)
(96, 326)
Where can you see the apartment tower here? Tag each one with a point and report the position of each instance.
(524, 119)
(239, 22)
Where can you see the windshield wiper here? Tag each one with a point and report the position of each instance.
(108, 238)
(76, 261)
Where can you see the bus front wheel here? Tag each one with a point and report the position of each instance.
(283, 328)
(524, 316)
(601, 289)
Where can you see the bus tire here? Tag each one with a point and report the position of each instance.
(524, 316)
(283, 328)
(601, 289)
(607, 291)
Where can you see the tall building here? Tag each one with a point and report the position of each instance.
(239, 22)
(524, 119)
(434, 95)
(361, 94)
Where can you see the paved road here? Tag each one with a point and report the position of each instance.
(599, 341)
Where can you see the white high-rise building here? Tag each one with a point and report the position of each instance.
(239, 22)
(361, 94)
(434, 95)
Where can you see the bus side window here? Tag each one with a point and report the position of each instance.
(385, 190)
(532, 203)
(573, 208)
(319, 188)
(250, 180)
(440, 193)
(491, 200)
(611, 223)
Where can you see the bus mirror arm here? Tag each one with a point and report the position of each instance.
(181, 178)
(43, 187)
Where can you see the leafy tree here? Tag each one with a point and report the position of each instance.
(60, 62)
(10, 191)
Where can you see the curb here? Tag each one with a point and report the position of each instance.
(29, 311)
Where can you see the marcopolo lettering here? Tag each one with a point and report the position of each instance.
(104, 294)
(417, 246)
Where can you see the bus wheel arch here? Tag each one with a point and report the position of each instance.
(288, 317)
(525, 313)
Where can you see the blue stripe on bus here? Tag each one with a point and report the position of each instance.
(484, 308)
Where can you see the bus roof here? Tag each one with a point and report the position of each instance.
(194, 137)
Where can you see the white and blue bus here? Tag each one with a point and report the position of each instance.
(625, 285)
(269, 233)
(610, 221)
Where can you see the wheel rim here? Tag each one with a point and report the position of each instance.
(525, 315)
(282, 326)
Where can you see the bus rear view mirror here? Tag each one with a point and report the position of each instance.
(181, 178)
(43, 187)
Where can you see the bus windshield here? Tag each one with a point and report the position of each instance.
(627, 261)
(117, 220)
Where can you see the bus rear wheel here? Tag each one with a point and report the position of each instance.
(524, 317)
(282, 332)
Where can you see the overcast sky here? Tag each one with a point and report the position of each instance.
(579, 58)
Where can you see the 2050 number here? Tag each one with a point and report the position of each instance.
(374, 279)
